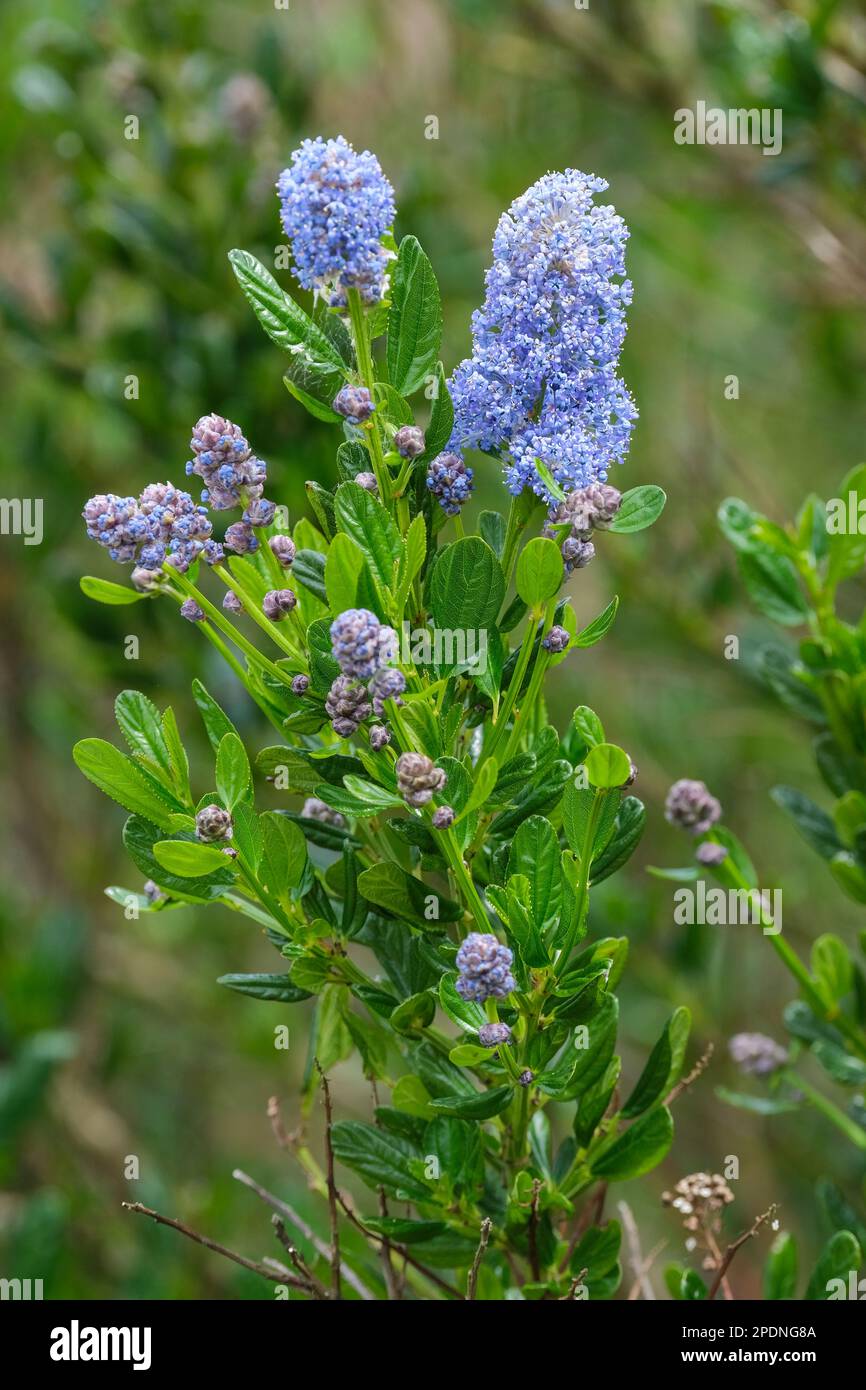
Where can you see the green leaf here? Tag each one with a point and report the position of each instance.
(177, 755)
(414, 319)
(598, 1253)
(284, 855)
(607, 766)
(467, 586)
(839, 1211)
(627, 831)
(411, 560)
(588, 725)
(139, 838)
(216, 722)
(411, 1096)
(317, 370)
(539, 571)
(275, 988)
(404, 895)
(441, 424)
(308, 570)
(758, 1105)
(139, 721)
(492, 529)
(382, 1159)
(642, 1146)
(118, 777)
(692, 1286)
(374, 797)
(414, 1014)
(772, 584)
(662, 1067)
(640, 507)
(577, 803)
(535, 854)
(832, 967)
(737, 521)
(457, 1145)
(463, 1012)
(849, 875)
(780, 1269)
(233, 775)
(348, 583)
(188, 859)
(362, 516)
(840, 1255)
(483, 1105)
(814, 825)
(581, 1068)
(482, 788)
(401, 1231)
(598, 627)
(106, 591)
(469, 1055)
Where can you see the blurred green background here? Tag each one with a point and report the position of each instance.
(114, 1038)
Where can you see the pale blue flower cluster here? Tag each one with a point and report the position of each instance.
(336, 205)
(360, 643)
(224, 461)
(450, 481)
(485, 968)
(163, 524)
(542, 382)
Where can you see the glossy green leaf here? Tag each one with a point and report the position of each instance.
(414, 319)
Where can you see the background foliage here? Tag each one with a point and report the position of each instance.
(114, 1038)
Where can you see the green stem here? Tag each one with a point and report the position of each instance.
(514, 684)
(220, 621)
(275, 569)
(831, 1112)
(793, 963)
(448, 841)
(253, 611)
(582, 896)
(232, 661)
(538, 673)
(365, 367)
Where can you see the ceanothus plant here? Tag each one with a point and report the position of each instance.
(427, 871)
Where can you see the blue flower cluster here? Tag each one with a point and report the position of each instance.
(360, 643)
(224, 461)
(485, 968)
(450, 480)
(164, 524)
(335, 207)
(542, 383)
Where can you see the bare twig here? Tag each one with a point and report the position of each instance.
(737, 1244)
(317, 1289)
(393, 1285)
(277, 1125)
(697, 1070)
(472, 1282)
(277, 1273)
(645, 1269)
(306, 1231)
(332, 1188)
(637, 1261)
(573, 1287)
(410, 1259)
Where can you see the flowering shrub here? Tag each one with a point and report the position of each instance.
(427, 873)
